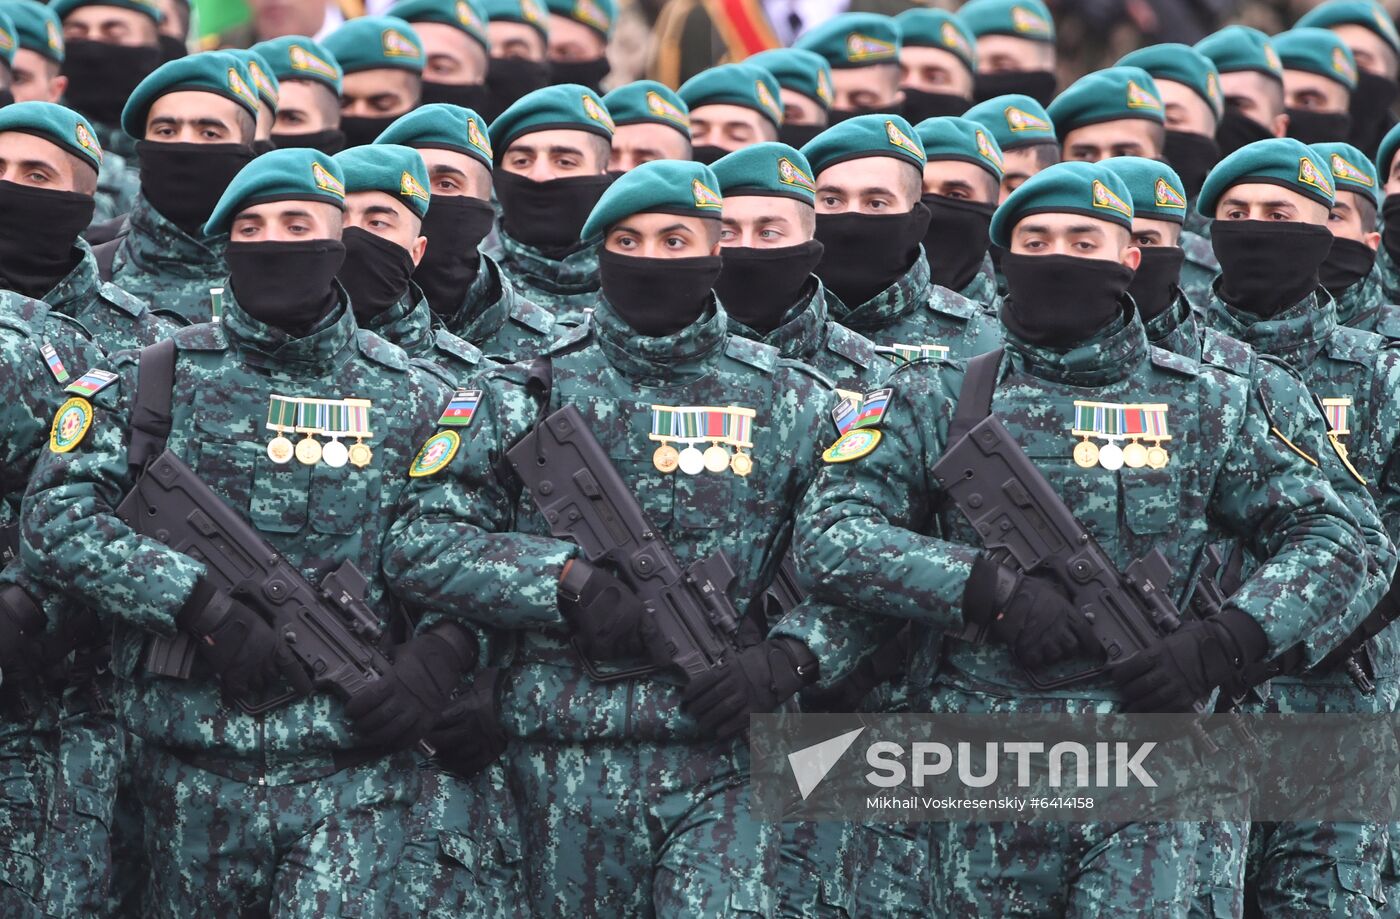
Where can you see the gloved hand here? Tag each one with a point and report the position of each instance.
(604, 613)
(238, 644)
(22, 624)
(1028, 614)
(849, 693)
(1191, 662)
(756, 680)
(469, 737)
(399, 710)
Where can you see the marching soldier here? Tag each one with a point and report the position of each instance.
(266, 85)
(1319, 75)
(1024, 134)
(578, 41)
(308, 93)
(1370, 34)
(1015, 48)
(1350, 272)
(962, 182)
(382, 58)
(456, 48)
(519, 35)
(1112, 112)
(731, 106)
(109, 48)
(804, 84)
(1251, 80)
(650, 123)
(862, 50)
(937, 61)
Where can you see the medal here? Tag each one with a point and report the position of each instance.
(308, 451)
(1086, 454)
(1111, 457)
(692, 461)
(360, 454)
(279, 450)
(281, 418)
(665, 459)
(335, 454)
(357, 426)
(1135, 455)
(716, 458)
(1156, 457)
(741, 464)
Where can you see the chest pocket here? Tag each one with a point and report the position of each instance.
(1151, 499)
(344, 500)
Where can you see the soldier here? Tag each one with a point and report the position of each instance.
(466, 290)
(109, 48)
(1025, 135)
(937, 60)
(629, 803)
(287, 337)
(869, 173)
(650, 123)
(863, 52)
(579, 31)
(268, 90)
(551, 154)
(962, 181)
(1111, 112)
(1251, 80)
(38, 51)
(382, 58)
(519, 34)
(197, 117)
(1368, 30)
(872, 504)
(1388, 172)
(731, 106)
(455, 44)
(308, 93)
(804, 88)
(1319, 75)
(1350, 273)
(1015, 48)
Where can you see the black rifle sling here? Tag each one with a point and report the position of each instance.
(975, 402)
(150, 415)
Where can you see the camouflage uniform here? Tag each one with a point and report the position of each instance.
(1389, 274)
(409, 324)
(915, 312)
(118, 184)
(872, 540)
(1200, 268)
(165, 266)
(625, 810)
(1365, 306)
(982, 290)
(116, 320)
(566, 287)
(286, 808)
(498, 320)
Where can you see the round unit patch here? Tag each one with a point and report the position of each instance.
(853, 445)
(437, 452)
(72, 421)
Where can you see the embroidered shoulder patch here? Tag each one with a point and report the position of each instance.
(60, 373)
(852, 445)
(437, 452)
(91, 383)
(873, 408)
(461, 409)
(70, 424)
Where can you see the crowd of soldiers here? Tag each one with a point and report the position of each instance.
(337, 282)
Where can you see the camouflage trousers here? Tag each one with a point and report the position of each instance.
(28, 741)
(462, 857)
(636, 828)
(1219, 870)
(818, 861)
(218, 846)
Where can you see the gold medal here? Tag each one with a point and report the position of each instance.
(1086, 454)
(309, 451)
(279, 450)
(741, 464)
(1156, 457)
(335, 454)
(665, 459)
(1111, 457)
(692, 461)
(360, 454)
(716, 458)
(1135, 455)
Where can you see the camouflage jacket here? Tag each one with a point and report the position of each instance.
(1199, 270)
(507, 566)
(115, 319)
(166, 267)
(498, 320)
(874, 537)
(1365, 306)
(409, 324)
(849, 360)
(1389, 273)
(118, 183)
(316, 516)
(567, 288)
(915, 314)
(982, 290)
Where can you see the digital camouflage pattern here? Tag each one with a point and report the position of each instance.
(158, 262)
(566, 287)
(409, 324)
(982, 290)
(1201, 267)
(116, 320)
(1364, 306)
(498, 320)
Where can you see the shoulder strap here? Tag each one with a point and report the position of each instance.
(151, 416)
(106, 255)
(975, 402)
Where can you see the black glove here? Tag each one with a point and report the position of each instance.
(238, 644)
(604, 613)
(469, 737)
(1187, 665)
(755, 680)
(1028, 614)
(22, 624)
(399, 710)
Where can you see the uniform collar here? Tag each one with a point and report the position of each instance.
(1360, 299)
(800, 332)
(157, 246)
(1297, 334)
(890, 305)
(76, 291)
(1175, 323)
(575, 273)
(982, 289)
(1110, 356)
(486, 304)
(272, 348)
(684, 356)
(408, 323)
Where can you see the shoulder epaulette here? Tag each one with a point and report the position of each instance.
(951, 303)
(380, 351)
(573, 339)
(806, 369)
(755, 354)
(127, 303)
(73, 321)
(1355, 346)
(1226, 352)
(1170, 360)
(207, 336)
(433, 369)
(853, 346)
(464, 351)
(531, 315)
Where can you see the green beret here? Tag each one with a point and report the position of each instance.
(1353, 12)
(1317, 51)
(376, 43)
(216, 72)
(9, 40)
(735, 84)
(952, 138)
(925, 27)
(1111, 94)
(465, 15)
(566, 107)
(598, 15)
(1015, 121)
(769, 170)
(661, 186)
(149, 7)
(1280, 161)
(854, 40)
(300, 174)
(804, 72)
(56, 124)
(296, 57)
(1351, 171)
(1154, 188)
(37, 27)
(1386, 154)
(1029, 19)
(865, 136)
(1065, 188)
(648, 102)
(441, 126)
(394, 169)
(1237, 48)
(528, 12)
(259, 74)
(1180, 64)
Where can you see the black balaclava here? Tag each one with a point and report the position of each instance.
(102, 76)
(375, 274)
(1059, 301)
(956, 241)
(548, 215)
(38, 227)
(287, 285)
(184, 181)
(1038, 84)
(865, 253)
(1266, 266)
(330, 141)
(758, 286)
(455, 227)
(634, 287)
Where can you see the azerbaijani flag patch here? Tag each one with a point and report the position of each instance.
(461, 409)
(873, 408)
(91, 383)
